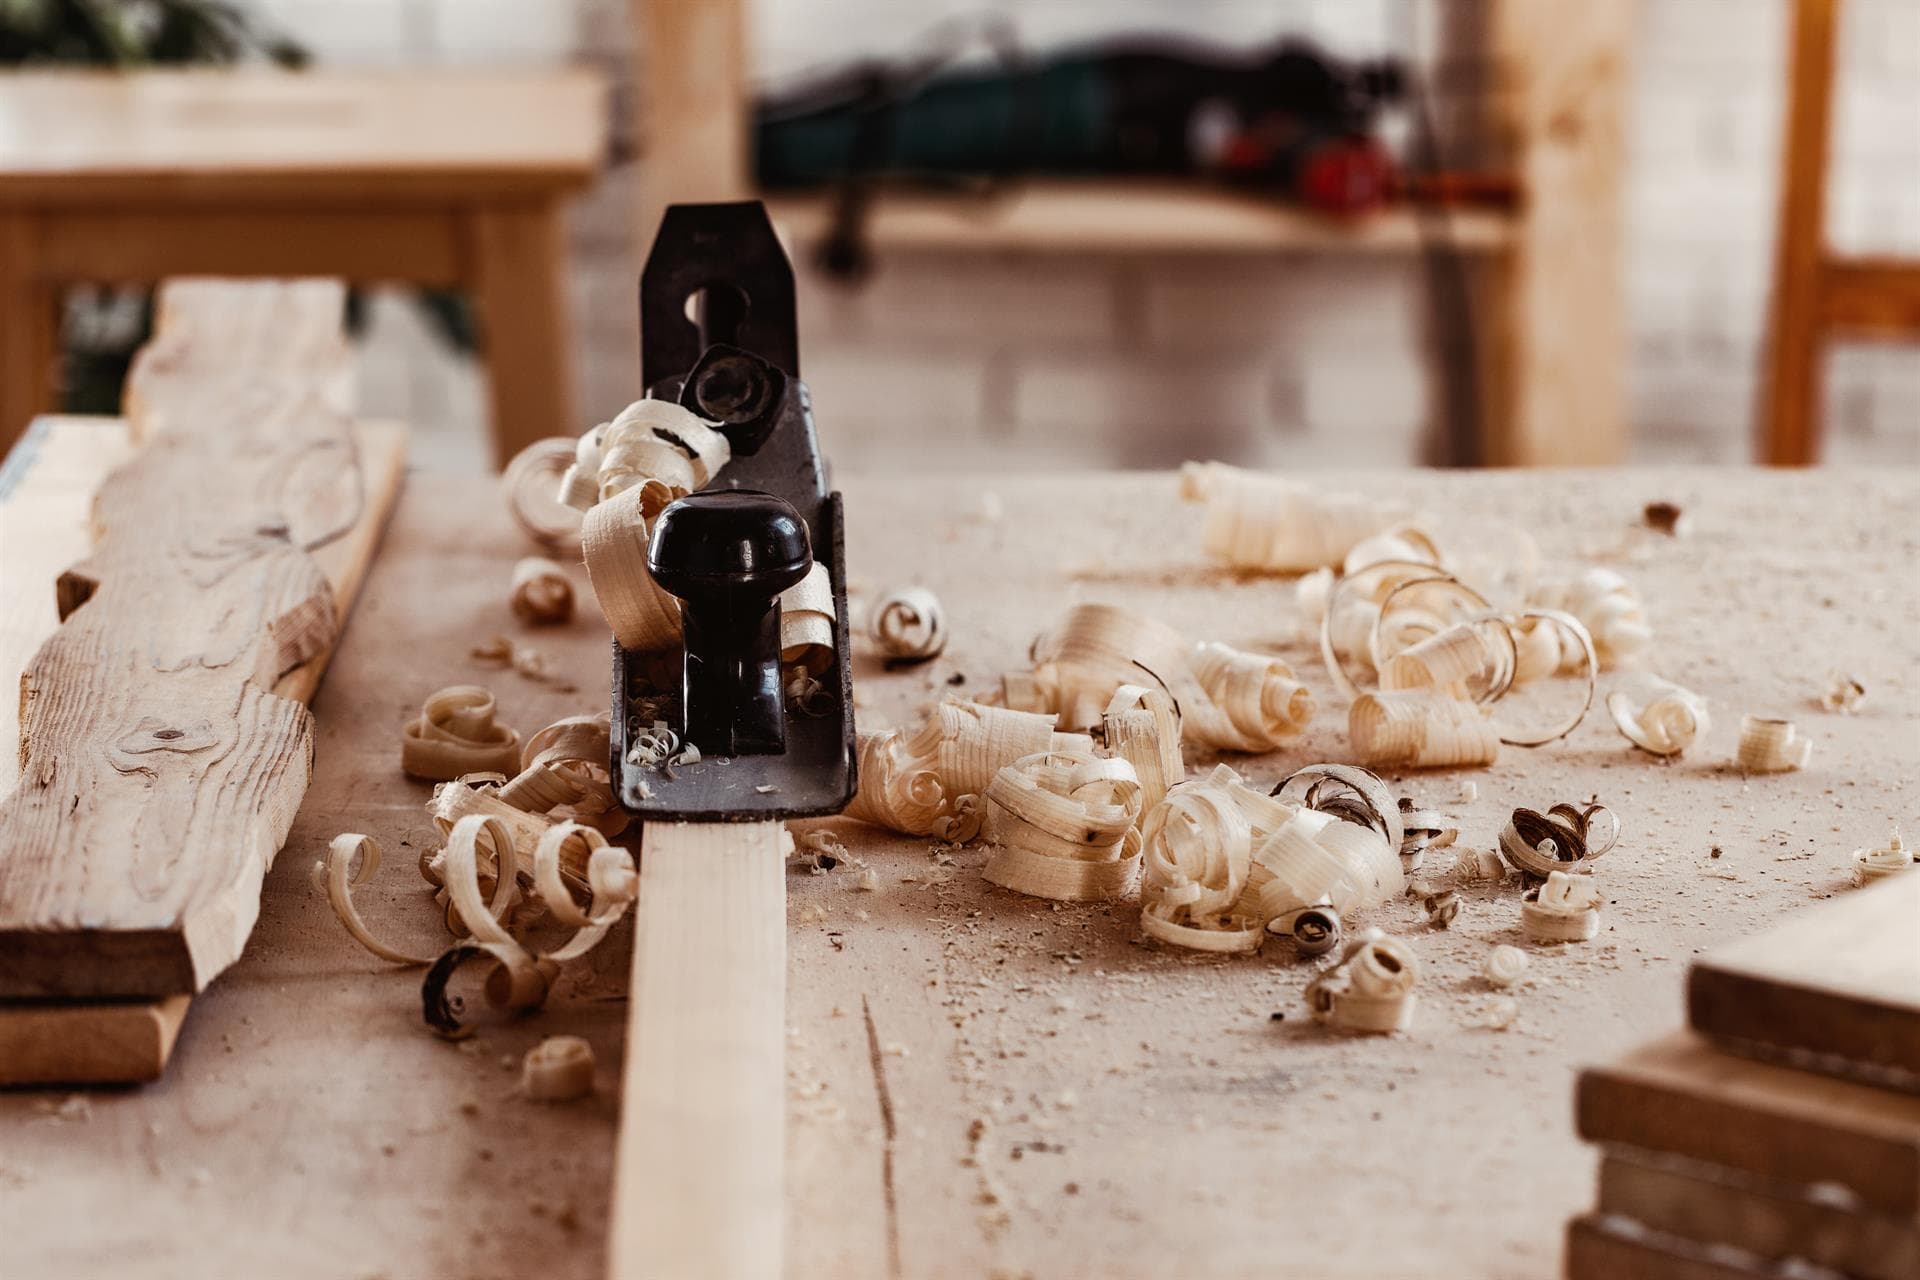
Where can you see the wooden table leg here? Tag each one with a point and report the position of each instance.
(29, 335)
(521, 263)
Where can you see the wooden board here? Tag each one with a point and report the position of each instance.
(1708, 1205)
(1602, 1248)
(1681, 1097)
(697, 1189)
(1836, 986)
(160, 769)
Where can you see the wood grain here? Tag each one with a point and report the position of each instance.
(1710, 1206)
(699, 1174)
(1838, 983)
(1679, 1097)
(1600, 1248)
(159, 769)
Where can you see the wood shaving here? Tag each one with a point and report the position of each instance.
(1314, 930)
(558, 1069)
(522, 659)
(1258, 521)
(540, 591)
(908, 625)
(614, 541)
(1564, 909)
(1063, 826)
(351, 861)
(1228, 698)
(1843, 693)
(1420, 729)
(1480, 866)
(1422, 829)
(1771, 745)
(1198, 848)
(531, 484)
(1372, 988)
(1609, 609)
(1442, 908)
(1505, 966)
(456, 734)
(1664, 721)
(806, 622)
(1890, 859)
(1565, 838)
(659, 449)
(1142, 727)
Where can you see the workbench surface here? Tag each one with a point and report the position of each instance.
(1066, 1099)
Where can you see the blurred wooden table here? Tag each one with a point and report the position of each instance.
(441, 180)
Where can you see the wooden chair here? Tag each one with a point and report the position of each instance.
(1818, 293)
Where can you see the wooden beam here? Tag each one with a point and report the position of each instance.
(159, 768)
(1837, 985)
(521, 263)
(698, 1183)
(1604, 1248)
(1871, 296)
(695, 119)
(415, 247)
(1554, 350)
(1790, 430)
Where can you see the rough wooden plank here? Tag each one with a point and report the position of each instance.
(110, 1042)
(1837, 986)
(697, 1191)
(1604, 1248)
(159, 771)
(1701, 1203)
(1680, 1097)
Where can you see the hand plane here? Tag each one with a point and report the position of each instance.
(718, 336)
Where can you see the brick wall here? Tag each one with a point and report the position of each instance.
(1294, 360)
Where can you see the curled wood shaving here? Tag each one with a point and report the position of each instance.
(1198, 848)
(806, 622)
(1565, 838)
(614, 539)
(1355, 625)
(1062, 826)
(351, 861)
(1607, 606)
(1422, 829)
(531, 484)
(1564, 909)
(455, 734)
(1877, 864)
(1479, 866)
(928, 782)
(558, 1069)
(1227, 698)
(898, 790)
(1843, 694)
(661, 450)
(1473, 661)
(1505, 966)
(1315, 930)
(1142, 727)
(1664, 722)
(1371, 989)
(1347, 791)
(908, 625)
(1258, 521)
(517, 983)
(540, 591)
(973, 742)
(1771, 745)
(523, 659)
(1420, 728)
(1442, 908)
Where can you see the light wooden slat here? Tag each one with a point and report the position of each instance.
(1119, 217)
(1710, 1206)
(1872, 296)
(1839, 980)
(1680, 1097)
(417, 247)
(698, 1181)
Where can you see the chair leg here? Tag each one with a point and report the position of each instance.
(29, 332)
(523, 315)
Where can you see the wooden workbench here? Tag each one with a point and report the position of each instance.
(1137, 1111)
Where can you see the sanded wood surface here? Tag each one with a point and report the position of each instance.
(1708, 1205)
(159, 770)
(697, 1185)
(1838, 984)
(1137, 1111)
(1681, 1097)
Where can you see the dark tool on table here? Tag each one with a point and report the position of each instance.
(728, 551)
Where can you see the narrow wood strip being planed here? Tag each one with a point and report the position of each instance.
(699, 1174)
(160, 769)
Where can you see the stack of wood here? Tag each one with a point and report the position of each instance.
(1780, 1134)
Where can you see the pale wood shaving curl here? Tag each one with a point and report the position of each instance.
(540, 591)
(1843, 693)
(1607, 606)
(614, 541)
(558, 1069)
(1771, 745)
(455, 734)
(1063, 826)
(1142, 727)
(1258, 521)
(1420, 728)
(660, 449)
(1564, 909)
(1198, 848)
(531, 482)
(908, 624)
(1371, 989)
(1889, 859)
(1665, 721)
